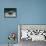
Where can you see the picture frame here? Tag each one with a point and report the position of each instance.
(10, 12)
(34, 30)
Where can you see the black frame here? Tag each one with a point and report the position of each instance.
(8, 9)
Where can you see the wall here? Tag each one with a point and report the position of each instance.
(7, 25)
(28, 12)
(33, 12)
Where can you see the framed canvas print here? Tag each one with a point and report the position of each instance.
(32, 32)
(10, 12)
